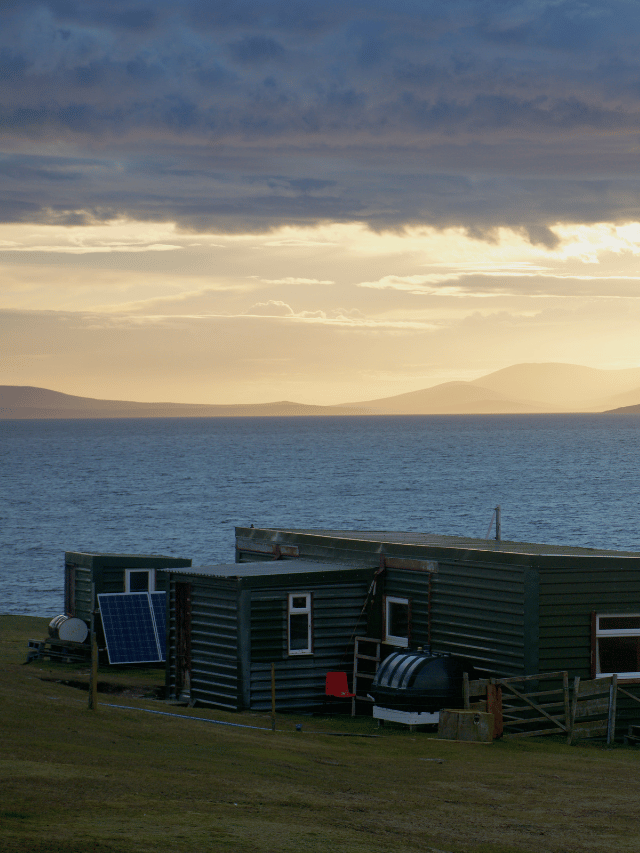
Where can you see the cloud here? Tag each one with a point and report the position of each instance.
(538, 282)
(243, 115)
(87, 250)
(293, 280)
(272, 308)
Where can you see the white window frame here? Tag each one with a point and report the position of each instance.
(614, 632)
(152, 580)
(391, 639)
(293, 610)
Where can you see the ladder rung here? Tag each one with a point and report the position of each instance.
(368, 657)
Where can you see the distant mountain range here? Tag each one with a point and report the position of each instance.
(520, 389)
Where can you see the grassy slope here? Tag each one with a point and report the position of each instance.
(120, 780)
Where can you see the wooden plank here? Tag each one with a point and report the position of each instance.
(429, 566)
(592, 688)
(592, 707)
(541, 676)
(522, 721)
(605, 706)
(594, 729)
(538, 733)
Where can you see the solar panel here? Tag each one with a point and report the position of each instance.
(159, 611)
(134, 626)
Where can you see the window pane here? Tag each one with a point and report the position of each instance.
(298, 602)
(299, 631)
(619, 654)
(138, 581)
(398, 619)
(617, 623)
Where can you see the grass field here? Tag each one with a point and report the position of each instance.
(125, 781)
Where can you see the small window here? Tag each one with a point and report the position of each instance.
(139, 580)
(299, 624)
(617, 644)
(396, 621)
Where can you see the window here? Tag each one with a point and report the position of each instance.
(396, 621)
(139, 580)
(617, 644)
(299, 624)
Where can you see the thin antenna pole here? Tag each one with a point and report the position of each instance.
(498, 523)
(490, 525)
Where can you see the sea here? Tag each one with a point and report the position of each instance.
(179, 486)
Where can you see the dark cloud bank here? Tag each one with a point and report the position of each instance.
(244, 115)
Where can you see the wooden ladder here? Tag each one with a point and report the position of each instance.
(372, 664)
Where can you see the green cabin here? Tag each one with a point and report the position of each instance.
(511, 608)
(84, 572)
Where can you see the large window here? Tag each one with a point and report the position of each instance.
(617, 644)
(397, 619)
(139, 580)
(299, 635)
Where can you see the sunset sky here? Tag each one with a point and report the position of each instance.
(224, 202)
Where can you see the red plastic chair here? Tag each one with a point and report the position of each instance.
(337, 685)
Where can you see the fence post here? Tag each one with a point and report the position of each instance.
(273, 697)
(93, 679)
(611, 722)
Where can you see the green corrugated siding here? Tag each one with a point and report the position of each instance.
(477, 612)
(82, 606)
(414, 586)
(300, 679)
(214, 643)
(106, 571)
(567, 598)
(268, 626)
(112, 579)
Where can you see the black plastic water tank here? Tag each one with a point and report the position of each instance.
(419, 681)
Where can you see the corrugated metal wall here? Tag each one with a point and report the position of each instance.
(478, 612)
(415, 587)
(111, 579)
(300, 679)
(81, 591)
(214, 643)
(567, 598)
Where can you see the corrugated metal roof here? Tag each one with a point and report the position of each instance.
(440, 541)
(264, 568)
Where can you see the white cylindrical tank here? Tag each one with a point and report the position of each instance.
(69, 629)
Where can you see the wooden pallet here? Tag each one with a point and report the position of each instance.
(58, 650)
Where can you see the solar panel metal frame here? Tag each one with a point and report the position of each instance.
(134, 626)
(159, 613)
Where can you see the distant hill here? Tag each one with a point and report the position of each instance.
(624, 410)
(23, 401)
(570, 387)
(541, 388)
(449, 398)
(519, 389)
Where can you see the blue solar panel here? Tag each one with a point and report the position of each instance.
(134, 626)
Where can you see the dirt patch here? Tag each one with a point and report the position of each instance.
(108, 687)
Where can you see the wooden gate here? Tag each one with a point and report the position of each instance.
(535, 705)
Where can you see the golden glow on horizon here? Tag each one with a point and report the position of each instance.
(317, 314)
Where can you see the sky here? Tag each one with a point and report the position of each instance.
(228, 202)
